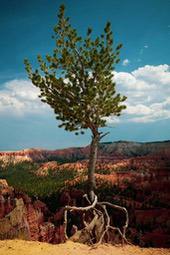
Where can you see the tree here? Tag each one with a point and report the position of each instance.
(77, 82)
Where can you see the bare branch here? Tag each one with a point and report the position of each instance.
(101, 137)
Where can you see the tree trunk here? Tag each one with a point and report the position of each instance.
(92, 164)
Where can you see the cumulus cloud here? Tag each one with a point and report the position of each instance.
(147, 89)
(125, 62)
(148, 92)
(20, 97)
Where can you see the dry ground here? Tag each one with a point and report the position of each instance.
(20, 247)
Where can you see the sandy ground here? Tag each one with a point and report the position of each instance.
(20, 247)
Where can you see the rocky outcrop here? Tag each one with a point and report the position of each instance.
(47, 231)
(22, 218)
(44, 169)
(14, 224)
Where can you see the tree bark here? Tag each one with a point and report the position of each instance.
(92, 164)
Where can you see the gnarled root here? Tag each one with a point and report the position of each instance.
(99, 228)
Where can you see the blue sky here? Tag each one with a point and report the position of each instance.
(143, 73)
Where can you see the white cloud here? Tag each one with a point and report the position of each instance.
(139, 109)
(20, 97)
(128, 80)
(153, 74)
(148, 92)
(126, 62)
(147, 89)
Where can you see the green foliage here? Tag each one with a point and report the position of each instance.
(22, 177)
(77, 79)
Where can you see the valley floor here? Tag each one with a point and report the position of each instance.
(21, 247)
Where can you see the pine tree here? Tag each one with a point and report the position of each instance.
(77, 82)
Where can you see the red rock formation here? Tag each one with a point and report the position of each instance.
(33, 221)
(23, 216)
(143, 183)
(27, 219)
(59, 235)
(2, 206)
(47, 232)
(45, 167)
(108, 152)
(14, 224)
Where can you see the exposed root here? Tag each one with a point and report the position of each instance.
(98, 229)
(86, 208)
(65, 224)
(123, 235)
(84, 221)
(107, 225)
(119, 208)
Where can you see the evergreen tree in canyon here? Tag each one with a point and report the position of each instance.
(77, 82)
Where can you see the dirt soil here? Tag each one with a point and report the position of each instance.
(20, 247)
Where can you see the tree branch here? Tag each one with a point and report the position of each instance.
(101, 136)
